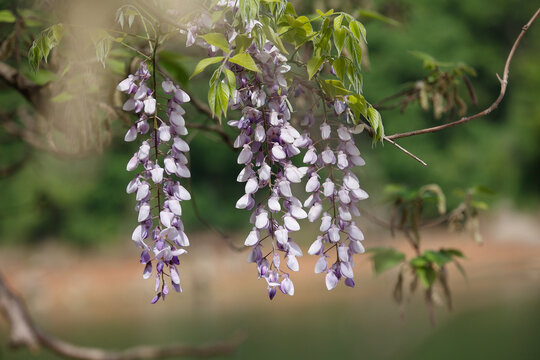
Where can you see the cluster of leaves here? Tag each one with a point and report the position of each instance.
(47, 40)
(427, 267)
(440, 88)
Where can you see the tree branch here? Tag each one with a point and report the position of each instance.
(493, 106)
(24, 333)
(19, 82)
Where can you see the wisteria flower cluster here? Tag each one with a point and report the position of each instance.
(160, 236)
(268, 142)
(340, 189)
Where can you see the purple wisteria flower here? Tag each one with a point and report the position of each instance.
(341, 190)
(268, 142)
(160, 236)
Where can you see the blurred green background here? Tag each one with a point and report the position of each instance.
(81, 201)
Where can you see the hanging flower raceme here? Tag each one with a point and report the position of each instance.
(268, 142)
(341, 191)
(162, 162)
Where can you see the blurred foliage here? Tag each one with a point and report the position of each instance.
(83, 199)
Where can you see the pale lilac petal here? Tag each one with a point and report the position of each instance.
(292, 263)
(321, 265)
(331, 280)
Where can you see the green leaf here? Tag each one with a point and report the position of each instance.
(385, 258)
(437, 257)
(204, 63)
(375, 120)
(231, 80)
(358, 105)
(223, 93)
(313, 65)
(340, 66)
(7, 16)
(274, 38)
(218, 40)
(452, 253)
(339, 39)
(480, 205)
(419, 261)
(427, 276)
(358, 30)
(246, 61)
(213, 100)
(333, 88)
(338, 21)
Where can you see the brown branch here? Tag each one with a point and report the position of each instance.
(371, 133)
(24, 333)
(493, 106)
(19, 82)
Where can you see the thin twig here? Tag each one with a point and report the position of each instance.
(24, 333)
(493, 106)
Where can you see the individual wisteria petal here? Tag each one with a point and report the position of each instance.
(278, 153)
(292, 263)
(142, 192)
(131, 134)
(333, 233)
(262, 220)
(147, 270)
(150, 106)
(290, 223)
(313, 184)
(315, 212)
(144, 212)
(346, 270)
(287, 286)
(245, 155)
(180, 96)
(252, 238)
(175, 206)
(252, 185)
(325, 223)
(316, 247)
(331, 280)
(157, 174)
(328, 156)
(282, 236)
(325, 131)
(133, 163)
(273, 203)
(321, 265)
(243, 202)
(328, 188)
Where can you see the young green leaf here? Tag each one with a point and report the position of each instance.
(204, 63)
(358, 30)
(338, 21)
(339, 39)
(340, 65)
(385, 258)
(313, 65)
(375, 120)
(217, 40)
(246, 61)
(6, 16)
